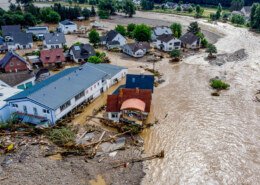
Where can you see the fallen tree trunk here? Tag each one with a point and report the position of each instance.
(159, 155)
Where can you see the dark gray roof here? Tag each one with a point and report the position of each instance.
(10, 29)
(83, 51)
(165, 38)
(8, 56)
(109, 36)
(60, 88)
(13, 79)
(54, 38)
(136, 46)
(189, 38)
(22, 38)
(67, 22)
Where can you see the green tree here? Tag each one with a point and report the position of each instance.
(147, 5)
(176, 29)
(194, 28)
(106, 8)
(237, 5)
(29, 19)
(211, 49)
(130, 29)
(50, 16)
(175, 54)
(238, 19)
(121, 29)
(86, 13)
(94, 37)
(218, 13)
(94, 60)
(93, 11)
(199, 11)
(142, 33)
(128, 8)
(255, 16)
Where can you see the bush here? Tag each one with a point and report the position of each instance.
(121, 29)
(218, 84)
(62, 136)
(238, 19)
(94, 60)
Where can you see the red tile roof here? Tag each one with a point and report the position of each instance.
(114, 102)
(52, 56)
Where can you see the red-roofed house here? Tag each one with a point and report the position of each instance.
(129, 102)
(53, 57)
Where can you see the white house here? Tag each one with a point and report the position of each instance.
(53, 98)
(67, 26)
(190, 41)
(167, 43)
(20, 40)
(136, 50)
(54, 40)
(113, 39)
(6, 92)
(160, 30)
(38, 31)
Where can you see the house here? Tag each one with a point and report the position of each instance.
(82, 52)
(9, 30)
(55, 97)
(113, 39)
(54, 40)
(38, 31)
(67, 27)
(186, 7)
(97, 25)
(170, 5)
(6, 92)
(190, 41)
(141, 81)
(160, 30)
(137, 50)
(167, 43)
(129, 103)
(137, 2)
(52, 57)
(20, 80)
(12, 62)
(246, 11)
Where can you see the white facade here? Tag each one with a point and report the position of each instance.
(137, 54)
(6, 92)
(121, 39)
(161, 30)
(71, 28)
(168, 46)
(15, 46)
(52, 46)
(27, 106)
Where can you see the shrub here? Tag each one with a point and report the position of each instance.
(121, 29)
(61, 136)
(238, 19)
(218, 84)
(94, 60)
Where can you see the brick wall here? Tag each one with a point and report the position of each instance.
(14, 65)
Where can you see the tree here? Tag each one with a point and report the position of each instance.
(106, 8)
(81, 1)
(142, 33)
(94, 37)
(199, 11)
(218, 13)
(130, 29)
(178, 9)
(29, 19)
(255, 16)
(50, 16)
(121, 29)
(92, 2)
(86, 13)
(238, 19)
(24, 2)
(176, 29)
(128, 8)
(237, 5)
(175, 54)
(194, 28)
(94, 60)
(211, 49)
(147, 5)
(93, 11)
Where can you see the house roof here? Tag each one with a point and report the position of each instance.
(189, 38)
(6, 92)
(22, 38)
(140, 81)
(159, 30)
(82, 51)
(13, 79)
(165, 38)
(67, 22)
(133, 103)
(138, 45)
(8, 56)
(52, 56)
(54, 38)
(2, 40)
(37, 28)
(58, 89)
(109, 36)
(115, 102)
(10, 29)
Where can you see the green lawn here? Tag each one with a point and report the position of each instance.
(65, 4)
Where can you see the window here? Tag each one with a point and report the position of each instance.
(25, 109)
(11, 64)
(35, 112)
(80, 95)
(177, 43)
(15, 105)
(170, 44)
(114, 115)
(65, 105)
(45, 111)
